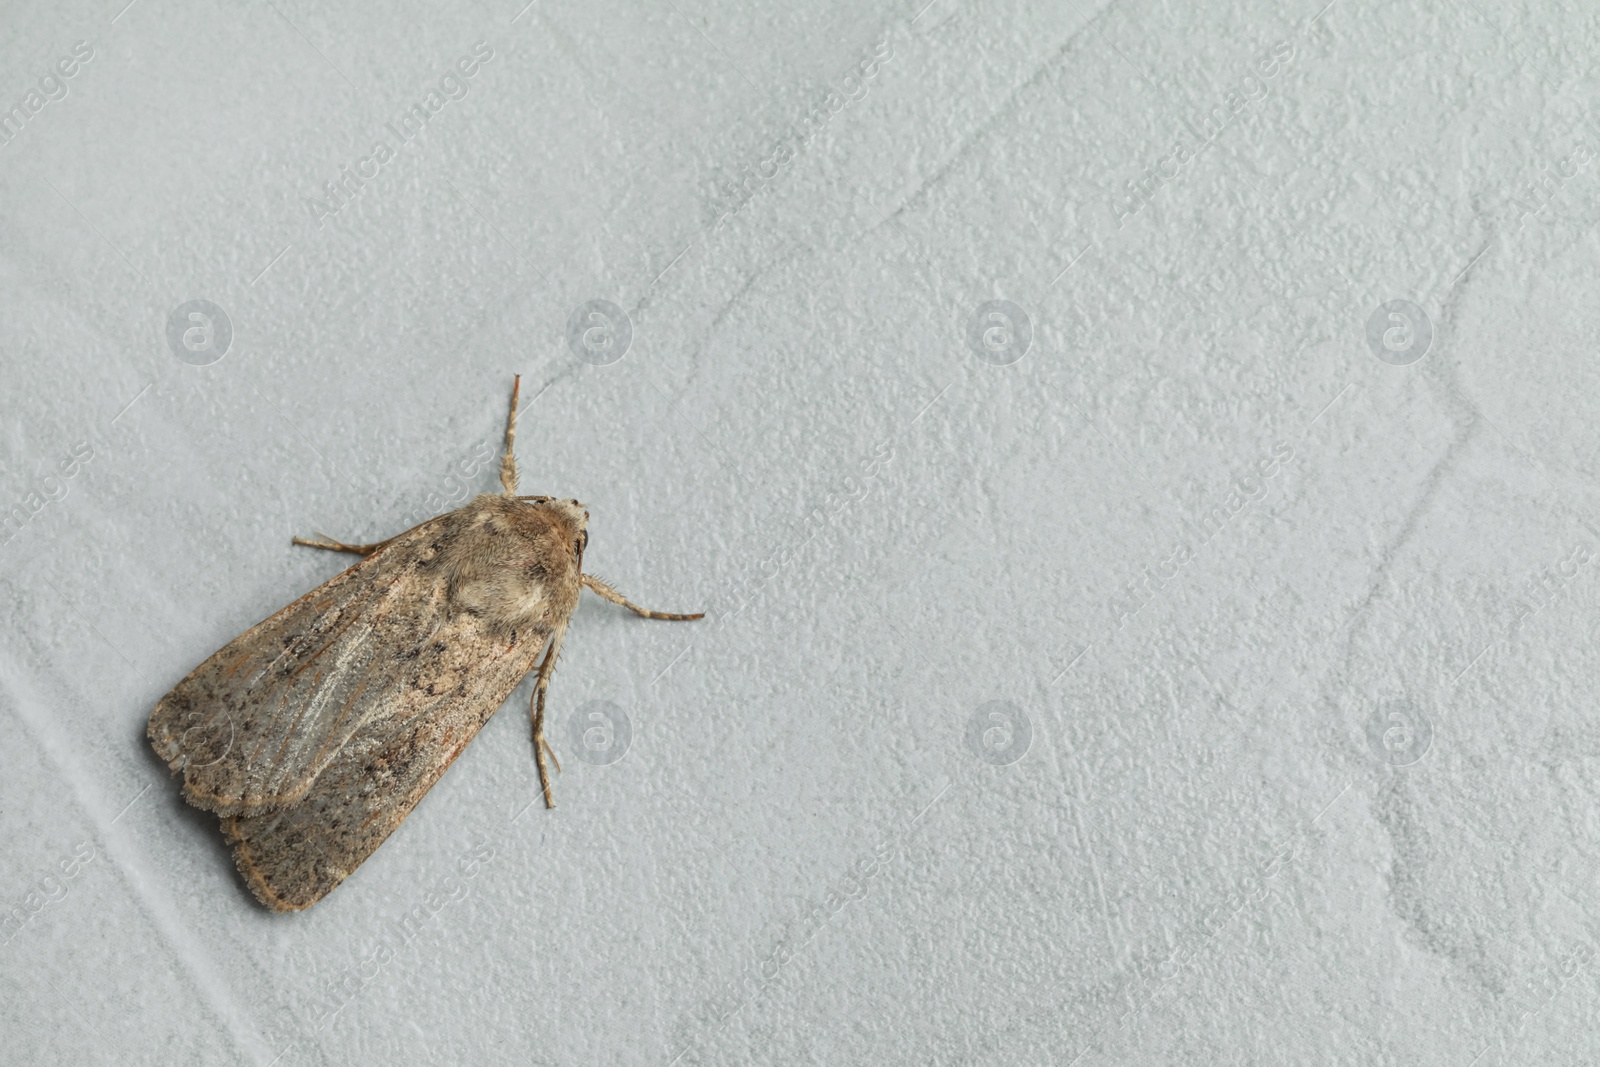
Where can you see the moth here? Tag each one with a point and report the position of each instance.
(313, 734)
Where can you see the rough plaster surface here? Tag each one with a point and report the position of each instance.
(1162, 678)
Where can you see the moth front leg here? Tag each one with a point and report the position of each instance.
(339, 546)
(536, 710)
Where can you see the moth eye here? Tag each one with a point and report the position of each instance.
(583, 542)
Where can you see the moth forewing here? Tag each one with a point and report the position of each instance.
(314, 733)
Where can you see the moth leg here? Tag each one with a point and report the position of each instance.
(536, 709)
(508, 461)
(339, 546)
(617, 598)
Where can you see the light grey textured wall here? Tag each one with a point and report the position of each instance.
(1139, 459)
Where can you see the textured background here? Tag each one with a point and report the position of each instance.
(1187, 662)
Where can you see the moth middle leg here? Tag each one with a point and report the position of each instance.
(536, 710)
(339, 546)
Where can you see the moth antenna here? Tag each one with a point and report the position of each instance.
(508, 462)
(615, 597)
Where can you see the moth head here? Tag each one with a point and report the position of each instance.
(570, 512)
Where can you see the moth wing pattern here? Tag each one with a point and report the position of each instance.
(293, 857)
(253, 726)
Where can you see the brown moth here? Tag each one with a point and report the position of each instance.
(314, 733)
